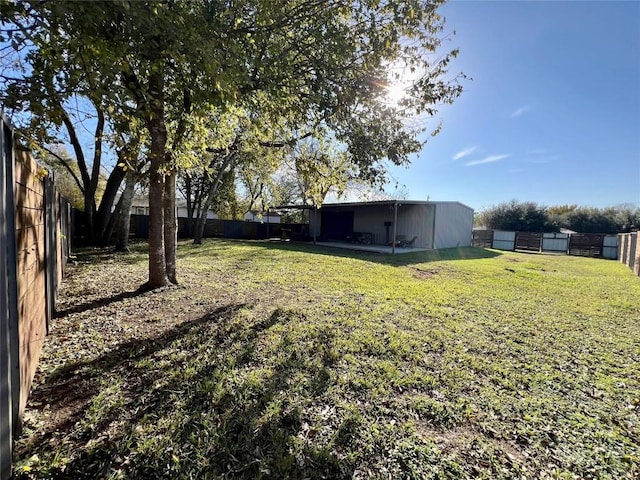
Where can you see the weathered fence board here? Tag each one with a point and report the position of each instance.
(482, 238)
(629, 250)
(623, 247)
(30, 235)
(636, 259)
(584, 245)
(529, 241)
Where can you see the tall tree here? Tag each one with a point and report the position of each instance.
(57, 102)
(318, 62)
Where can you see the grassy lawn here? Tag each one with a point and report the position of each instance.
(280, 360)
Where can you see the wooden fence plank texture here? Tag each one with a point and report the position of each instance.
(529, 241)
(34, 247)
(629, 250)
(482, 238)
(586, 245)
(30, 235)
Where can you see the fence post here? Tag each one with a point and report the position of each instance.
(50, 251)
(636, 266)
(625, 248)
(541, 240)
(9, 339)
(633, 244)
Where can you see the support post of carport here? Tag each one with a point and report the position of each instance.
(395, 222)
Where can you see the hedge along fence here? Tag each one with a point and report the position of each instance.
(579, 244)
(629, 250)
(34, 247)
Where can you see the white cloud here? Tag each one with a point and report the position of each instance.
(489, 159)
(520, 111)
(465, 153)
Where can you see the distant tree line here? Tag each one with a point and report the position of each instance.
(531, 217)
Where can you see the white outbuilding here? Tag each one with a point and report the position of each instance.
(417, 224)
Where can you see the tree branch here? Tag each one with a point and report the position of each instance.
(77, 148)
(66, 165)
(97, 150)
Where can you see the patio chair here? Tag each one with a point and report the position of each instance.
(407, 243)
(400, 239)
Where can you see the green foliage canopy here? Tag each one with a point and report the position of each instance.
(315, 63)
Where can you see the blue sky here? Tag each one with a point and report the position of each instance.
(552, 113)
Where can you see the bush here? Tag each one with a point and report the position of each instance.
(531, 217)
(515, 216)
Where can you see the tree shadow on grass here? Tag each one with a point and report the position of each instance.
(197, 401)
(98, 255)
(399, 260)
(101, 302)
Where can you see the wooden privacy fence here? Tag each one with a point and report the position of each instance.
(238, 229)
(579, 244)
(629, 248)
(34, 247)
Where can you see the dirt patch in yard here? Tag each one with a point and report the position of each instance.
(467, 438)
(426, 273)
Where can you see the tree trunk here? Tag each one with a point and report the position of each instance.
(213, 188)
(158, 133)
(88, 191)
(104, 214)
(124, 214)
(170, 225)
(89, 216)
(157, 265)
(189, 188)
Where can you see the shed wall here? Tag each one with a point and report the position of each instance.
(371, 218)
(417, 221)
(413, 220)
(453, 225)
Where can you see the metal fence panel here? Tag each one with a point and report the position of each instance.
(610, 247)
(555, 242)
(504, 240)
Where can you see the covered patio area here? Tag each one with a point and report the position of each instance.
(389, 226)
(371, 248)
